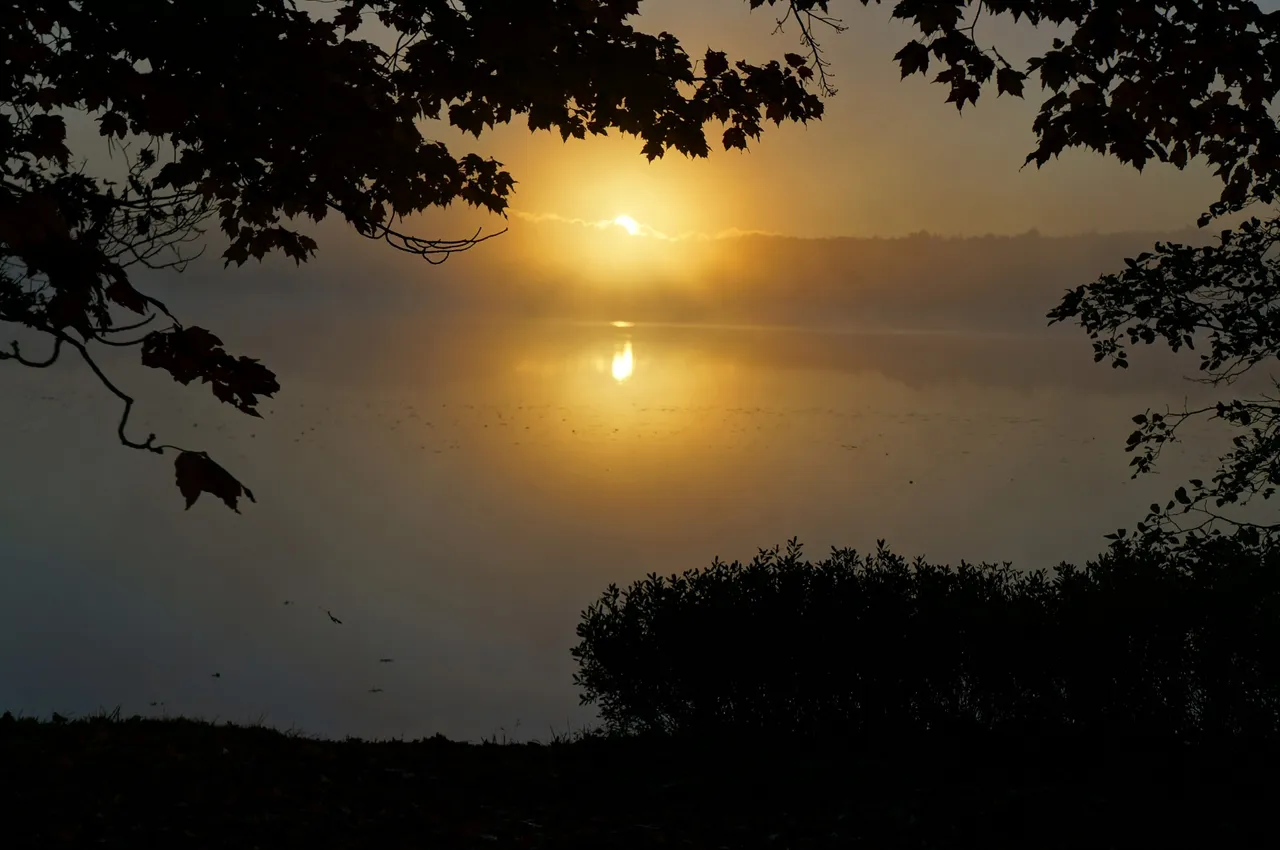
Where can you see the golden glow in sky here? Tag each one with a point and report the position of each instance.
(848, 174)
(594, 220)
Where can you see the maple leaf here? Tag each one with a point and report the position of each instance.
(913, 59)
(69, 308)
(48, 137)
(197, 473)
(1010, 81)
(113, 124)
(193, 352)
(122, 292)
(349, 19)
(715, 63)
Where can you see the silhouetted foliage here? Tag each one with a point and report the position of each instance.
(1139, 642)
(255, 112)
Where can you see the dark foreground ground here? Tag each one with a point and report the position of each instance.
(103, 782)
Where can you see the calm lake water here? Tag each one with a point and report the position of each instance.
(456, 491)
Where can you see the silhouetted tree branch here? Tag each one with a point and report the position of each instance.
(1170, 81)
(252, 112)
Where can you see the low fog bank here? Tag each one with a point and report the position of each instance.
(924, 308)
(1002, 284)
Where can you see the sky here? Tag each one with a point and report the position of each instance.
(888, 158)
(596, 231)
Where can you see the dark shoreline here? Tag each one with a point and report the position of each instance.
(111, 782)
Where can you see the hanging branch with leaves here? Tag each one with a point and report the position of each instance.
(258, 113)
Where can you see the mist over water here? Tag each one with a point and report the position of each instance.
(457, 489)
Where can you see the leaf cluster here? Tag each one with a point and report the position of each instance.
(1223, 298)
(1163, 80)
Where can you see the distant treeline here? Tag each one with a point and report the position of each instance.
(920, 282)
(1139, 642)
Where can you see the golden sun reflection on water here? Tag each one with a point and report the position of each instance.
(624, 362)
(630, 383)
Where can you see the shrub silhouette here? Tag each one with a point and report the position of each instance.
(1140, 642)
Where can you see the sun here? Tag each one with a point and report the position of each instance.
(628, 224)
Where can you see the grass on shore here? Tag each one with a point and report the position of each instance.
(108, 781)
